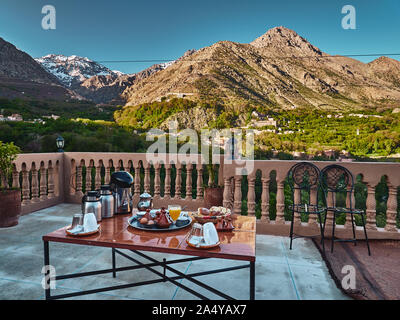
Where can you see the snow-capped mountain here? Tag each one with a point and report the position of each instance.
(73, 70)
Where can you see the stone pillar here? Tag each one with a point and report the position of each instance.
(227, 203)
(147, 178)
(237, 204)
(97, 179)
(107, 176)
(157, 181)
(79, 179)
(43, 183)
(178, 181)
(189, 169)
(280, 203)
(251, 196)
(51, 191)
(35, 183)
(265, 200)
(199, 182)
(15, 181)
(350, 202)
(371, 208)
(167, 192)
(89, 177)
(25, 187)
(297, 200)
(391, 211)
(137, 181)
(312, 218)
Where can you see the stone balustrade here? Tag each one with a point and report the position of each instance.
(371, 174)
(49, 179)
(177, 178)
(40, 178)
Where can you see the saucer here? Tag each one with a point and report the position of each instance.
(82, 234)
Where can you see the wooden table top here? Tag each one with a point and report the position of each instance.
(239, 244)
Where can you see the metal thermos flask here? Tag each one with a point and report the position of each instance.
(91, 203)
(107, 202)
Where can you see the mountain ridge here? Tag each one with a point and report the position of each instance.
(278, 69)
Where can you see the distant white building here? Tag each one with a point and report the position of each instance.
(53, 116)
(15, 117)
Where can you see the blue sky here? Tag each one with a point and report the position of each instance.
(143, 30)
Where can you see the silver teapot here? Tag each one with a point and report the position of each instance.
(145, 202)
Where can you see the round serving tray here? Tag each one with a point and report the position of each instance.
(82, 234)
(134, 223)
(203, 246)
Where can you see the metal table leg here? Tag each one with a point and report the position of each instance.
(252, 280)
(46, 264)
(114, 273)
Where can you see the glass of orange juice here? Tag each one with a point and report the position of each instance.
(174, 211)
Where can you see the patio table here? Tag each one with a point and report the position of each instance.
(115, 233)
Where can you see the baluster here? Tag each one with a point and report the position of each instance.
(350, 202)
(391, 211)
(312, 218)
(265, 200)
(89, 177)
(167, 192)
(251, 196)
(79, 178)
(43, 183)
(371, 208)
(35, 184)
(189, 169)
(237, 204)
(330, 201)
(137, 180)
(15, 181)
(227, 193)
(147, 178)
(297, 200)
(107, 176)
(157, 180)
(210, 181)
(178, 181)
(97, 179)
(280, 203)
(200, 181)
(51, 188)
(25, 187)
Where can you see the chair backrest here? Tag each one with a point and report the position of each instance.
(304, 176)
(336, 178)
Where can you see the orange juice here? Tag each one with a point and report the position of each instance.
(174, 212)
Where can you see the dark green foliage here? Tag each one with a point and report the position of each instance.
(35, 109)
(79, 136)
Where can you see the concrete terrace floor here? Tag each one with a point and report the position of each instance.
(280, 273)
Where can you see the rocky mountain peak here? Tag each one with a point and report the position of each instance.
(17, 64)
(73, 70)
(284, 39)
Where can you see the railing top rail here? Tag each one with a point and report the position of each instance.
(135, 158)
(27, 159)
(372, 172)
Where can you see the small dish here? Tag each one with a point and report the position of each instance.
(82, 234)
(202, 246)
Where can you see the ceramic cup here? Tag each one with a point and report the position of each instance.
(210, 233)
(89, 222)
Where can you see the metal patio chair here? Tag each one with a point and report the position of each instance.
(336, 179)
(304, 181)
